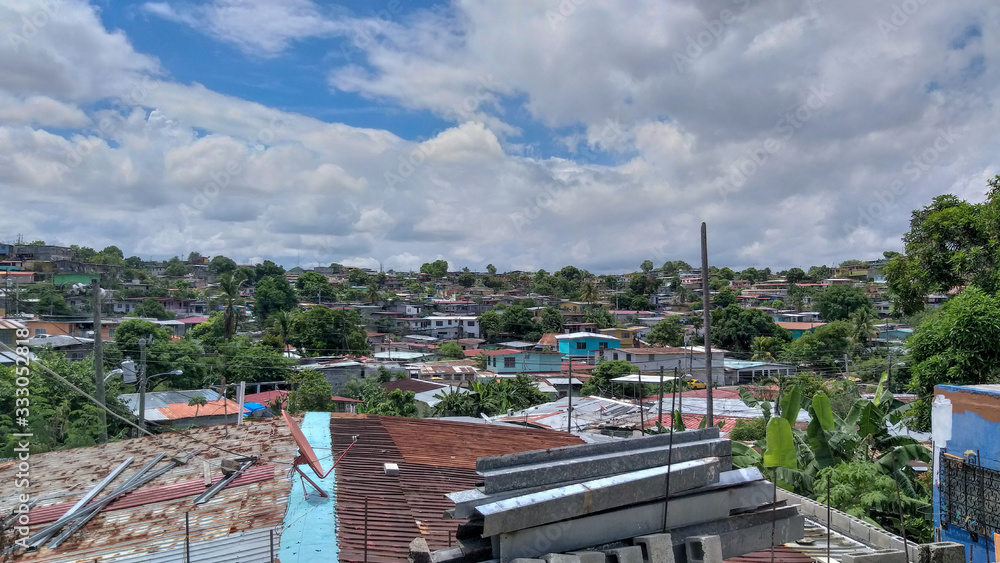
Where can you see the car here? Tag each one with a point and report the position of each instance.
(695, 384)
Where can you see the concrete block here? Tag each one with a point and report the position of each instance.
(631, 554)
(860, 531)
(419, 551)
(841, 522)
(947, 552)
(703, 549)
(896, 542)
(560, 558)
(591, 556)
(879, 539)
(880, 556)
(656, 548)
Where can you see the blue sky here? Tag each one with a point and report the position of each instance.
(527, 134)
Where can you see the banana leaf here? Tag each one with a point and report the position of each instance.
(780, 450)
(821, 411)
(791, 404)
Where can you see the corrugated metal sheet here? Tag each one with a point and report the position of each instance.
(9, 324)
(156, 527)
(177, 411)
(160, 399)
(434, 458)
(248, 546)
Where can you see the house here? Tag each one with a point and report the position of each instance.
(279, 398)
(744, 371)
(798, 329)
(585, 345)
(888, 332)
(336, 370)
(965, 425)
(689, 360)
(171, 408)
(74, 348)
(572, 308)
(510, 361)
(629, 336)
(449, 370)
(451, 327)
(82, 326)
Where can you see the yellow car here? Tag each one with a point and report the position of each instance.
(695, 384)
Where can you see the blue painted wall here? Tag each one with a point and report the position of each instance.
(568, 346)
(971, 431)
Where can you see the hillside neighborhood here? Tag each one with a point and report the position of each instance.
(510, 361)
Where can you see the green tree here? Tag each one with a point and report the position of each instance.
(321, 331)
(766, 348)
(817, 273)
(600, 383)
(600, 316)
(864, 323)
(267, 269)
(336, 268)
(517, 321)
(152, 309)
(197, 401)
(252, 362)
(52, 302)
(230, 284)
(588, 293)
(490, 325)
(795, 275)
(735, 328)
(724, 298)
(313, 285)
(221, 265)
(466, 278)
(957, 345)
(376, 400)
(668, 332)
(435, 269)
(175, 268)
(491, 269)
(311, 392)
(552, 320)
(839, 301)
(272, 294)
(451, 351)
(822, 347)
(646, 266)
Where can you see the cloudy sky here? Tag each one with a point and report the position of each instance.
(527, 134)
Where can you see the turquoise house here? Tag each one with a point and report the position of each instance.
(583, 345)
(510, 361)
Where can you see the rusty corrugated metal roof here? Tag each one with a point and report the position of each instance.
(177, 411)
(434, 457)
(158, 526)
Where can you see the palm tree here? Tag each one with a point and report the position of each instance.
(588, 293)
(283, 326)
(865, 326)
(230, 284)
(373, 295)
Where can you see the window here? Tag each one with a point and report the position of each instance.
(39, 332)
(628, 357)
(614, 356)
(470, 323)
(509, 362)
(111, 333)
(650, 357)
(581, 345)
(967, 495)
(602, 345)
(440, 323)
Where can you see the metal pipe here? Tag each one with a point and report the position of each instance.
(187, 538)
(828, 502)
(670, 454)
(221, 484)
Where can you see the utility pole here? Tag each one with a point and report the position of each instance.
(707, 323)
(569, 393)
(142, 383)
(847, 367)
(99, 359)
(659, 408)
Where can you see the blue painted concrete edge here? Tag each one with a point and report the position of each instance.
(310, 525)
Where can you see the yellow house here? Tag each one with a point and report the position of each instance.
(572, 307)
(629, 336)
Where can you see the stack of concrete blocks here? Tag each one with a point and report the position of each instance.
(607, 500)
(944, 552)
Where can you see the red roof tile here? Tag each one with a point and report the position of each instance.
(177, 411)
